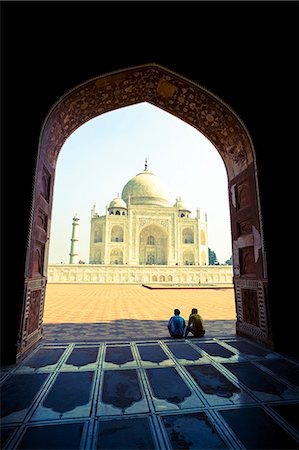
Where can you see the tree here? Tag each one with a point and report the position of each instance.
(229, 261)
(212, 258)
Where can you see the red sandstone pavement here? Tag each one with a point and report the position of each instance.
(103, 311)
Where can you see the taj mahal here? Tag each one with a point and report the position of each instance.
(142, 228)
(143, 238)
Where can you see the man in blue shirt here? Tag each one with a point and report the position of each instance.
(176, 325)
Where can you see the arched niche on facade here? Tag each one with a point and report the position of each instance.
(98, 233)
(188, 258)
(153, 245)
(197, 107)
(188, 236)
(116, 256)
(117, 233)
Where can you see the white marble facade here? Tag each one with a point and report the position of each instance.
(148, 274)
(142, 228)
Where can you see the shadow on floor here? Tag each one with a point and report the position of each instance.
(126, 329)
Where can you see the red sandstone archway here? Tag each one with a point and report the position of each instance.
(208, 114)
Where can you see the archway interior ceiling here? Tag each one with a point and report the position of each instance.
(152, 84)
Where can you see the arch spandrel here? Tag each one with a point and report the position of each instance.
(174, 94)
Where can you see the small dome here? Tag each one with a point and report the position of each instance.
(180, 205)
(117, 203)
(146, 188)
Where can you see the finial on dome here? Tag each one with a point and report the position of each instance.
(145, 165)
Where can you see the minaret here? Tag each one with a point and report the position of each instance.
(74, 255)
(93, 211)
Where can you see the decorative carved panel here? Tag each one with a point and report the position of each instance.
(166, 89)
(250, 306)
(149, 221)
(243, 194)
(46, 184)
(162, 88)
(259, 329)
(34, 310)
(33, 307)
(42, 220)
(38, 258)
(244, 227)
(247, 263)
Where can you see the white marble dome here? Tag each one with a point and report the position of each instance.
(117, 203)
(146, 188)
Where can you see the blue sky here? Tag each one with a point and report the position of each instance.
(101, 156)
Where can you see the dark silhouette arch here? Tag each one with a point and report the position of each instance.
(209, 115)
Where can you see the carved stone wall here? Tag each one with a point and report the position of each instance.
(162, 88)
(92, 273)
(31, 326)
(252, 310)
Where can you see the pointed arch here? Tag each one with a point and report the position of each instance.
(199, 108)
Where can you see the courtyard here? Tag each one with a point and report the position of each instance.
(124, 312)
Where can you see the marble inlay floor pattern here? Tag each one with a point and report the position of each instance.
(208, 393)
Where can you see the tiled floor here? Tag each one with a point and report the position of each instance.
(204, 393)
(107, 385)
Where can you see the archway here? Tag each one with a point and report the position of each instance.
(116, 256)
(200, 109)
(153, 245)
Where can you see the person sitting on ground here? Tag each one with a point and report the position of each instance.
(195, 324)
(176, 325)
